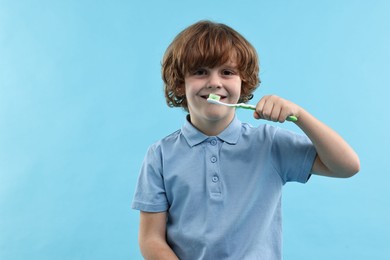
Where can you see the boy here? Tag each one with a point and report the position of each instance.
(212, 190)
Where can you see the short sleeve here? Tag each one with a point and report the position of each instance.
(292, 156)
(150, 195)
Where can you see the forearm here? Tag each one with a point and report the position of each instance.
(336, 157)
(157, 249)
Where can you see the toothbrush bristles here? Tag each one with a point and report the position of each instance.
(214, 97)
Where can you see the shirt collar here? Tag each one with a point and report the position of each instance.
(194, 136)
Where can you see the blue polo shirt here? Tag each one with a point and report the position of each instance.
(223, 193)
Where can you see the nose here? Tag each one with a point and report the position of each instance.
(214, 81)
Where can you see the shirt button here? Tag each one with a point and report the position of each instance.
(213, 159)
(215, 178)
(213, 142)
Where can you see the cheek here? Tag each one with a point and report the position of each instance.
(238, 89)
(192, 88)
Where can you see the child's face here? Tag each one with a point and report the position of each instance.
(224, 81)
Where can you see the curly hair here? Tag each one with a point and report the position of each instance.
(207, 44)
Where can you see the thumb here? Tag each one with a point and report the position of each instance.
(256, 115)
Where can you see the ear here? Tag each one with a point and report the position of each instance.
(180, 90)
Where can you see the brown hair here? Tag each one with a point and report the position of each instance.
(207, 44)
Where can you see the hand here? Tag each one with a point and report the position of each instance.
(276, 109)
(335, 158)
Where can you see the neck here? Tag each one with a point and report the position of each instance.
(211, 127)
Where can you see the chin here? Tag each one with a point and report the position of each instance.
(218, 115)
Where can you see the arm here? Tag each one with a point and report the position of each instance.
(335, 158)
(152, 236)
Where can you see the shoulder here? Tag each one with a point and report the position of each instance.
(166, 143)
(171, 138)
(269, 131)
(272, 136)
(262, 131)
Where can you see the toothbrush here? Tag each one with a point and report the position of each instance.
(214, 99)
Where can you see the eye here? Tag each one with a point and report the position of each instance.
(228, 72)
(199, 72)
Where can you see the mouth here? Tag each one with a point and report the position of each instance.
(207, 96)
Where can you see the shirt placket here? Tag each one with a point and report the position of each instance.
(212, 164)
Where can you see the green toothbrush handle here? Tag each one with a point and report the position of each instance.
(252, 107)
(292, 118)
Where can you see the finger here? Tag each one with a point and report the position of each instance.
(276, 112)
(256, 115)
(267, 109)
(286, 113)
(259, 108)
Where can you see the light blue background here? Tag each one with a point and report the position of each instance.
(81, 100)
